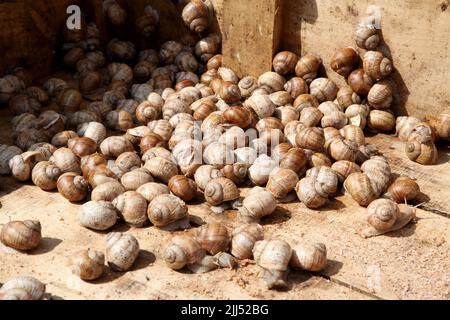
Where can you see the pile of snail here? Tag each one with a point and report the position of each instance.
(147, 132)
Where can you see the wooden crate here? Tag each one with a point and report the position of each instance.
(409, 264)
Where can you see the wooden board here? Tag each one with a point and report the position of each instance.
(415, 34)
(250, 35)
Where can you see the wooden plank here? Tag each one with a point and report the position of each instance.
(415, 34)
(150, 278)
(433, 180)
(251, 32)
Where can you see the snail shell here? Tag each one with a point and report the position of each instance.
(307, 67)
(423, 153)
(119, 120)
(23, 104)
(183, 250)
(309, 256)
(367, 36)
(358, 185)
(202, 108)
(281, 98)
(70, 100)
(347, 97)
(227, 75)
(95, 131)
(271, 81)
(260, 170)
(135, 178)
(214, 62)
(247, 85)
(245, 155)
(317, 159)
(219, 190)
(286, 114)
(344, 60)
(343, 149)
(403, 189)
(284, 62)
(244, 239)
(233, 138)
(6, 154)
(213, 237)
(128, 161)
(295, 159)
(51, 122)
(98, 215)
(183, 187)
(161, 168)
(308, 194)
(310, 138)
(237, 116)
(376, 65)
(142, 70)
(353, 133)
(72, 186)
(441, 124)
(281, 182)
(45, 175)
(310, 116)
(335, 119)
(326, 179)
(132, 208)
(381, 120)
(17, 285)
(422, 132)
(22, 164)
(360, 81)
(207, 47)
(323, 89)
(148, 22)
(21, 235)
(196, 15)
(82, 146)
(357, 115)
(366, 152)
(122, 251)
(218, 154)
(404, 127)
(152, 189)
(379, 172)
(330, 134)
(236, 172)
(344, 168)
(273, 257)
(116, 14)
(296, 86)
(205, 174)
(88, 264)
(15, 294)
(114, 146)
(304, 101)
(166, 209)
(380, 96)
(257, 205)
(107, 191)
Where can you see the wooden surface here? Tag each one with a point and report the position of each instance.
(412, 263)
(250, 35)
(415, 33)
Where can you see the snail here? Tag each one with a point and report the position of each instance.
(116, 14)
(379, 172)
(284, 62)
(403, 189)
(148, 22)
(88, 264)
(204, 174)
(162, 128)
(132, 180)
(380, 96)
(21, 165)
(6, 154)
(422, 153)
(381, 120)
(247, 85)
(119, 72)
(384, 215)
(440, 124)
(10, 85)
(257, 204)
(423, 133)
(353, 133)
(314, 189)
(23, 104)
(21, 235)
(330, 134)
(344, 60)
(213, 238)
(202, 108)
(260, 170)
(66, 160)
(295, 159)
(220, 190)
(107, 191)
(357, 115)
(360, 81)
(72, 186)
(169, 212)
(367, 35)
(244, 238)
(347, 97)
(335, 119)
(114, 146)
(323, 89)
(237, 116)
(227, 75)
(309, 256)
(70, 100)
(128, 161)
(22, 288)
(310, 138)
(119, 120)
(152, 189)
(317, 159)
(310, 116)
(376, 65)
(343, 168)
(132, 208)
(45, 175)
(90, 80)
(98, 215)
(281, 182)
(207, 47)
(122, 251)
(196, 15)
(245, 155)
(187, 155)
(214, 62)
(161, 168)
(62, 138)
(26, 139)
(273, 257)
(307, 67)
(51, 122)
(183, 187)
(218, 155)
(360, 189)
(404, 126)
(286, 114)
(236, 172)
(82, 146)
(183, 250)
(296, 86)
(343, 149)
(271, 81)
